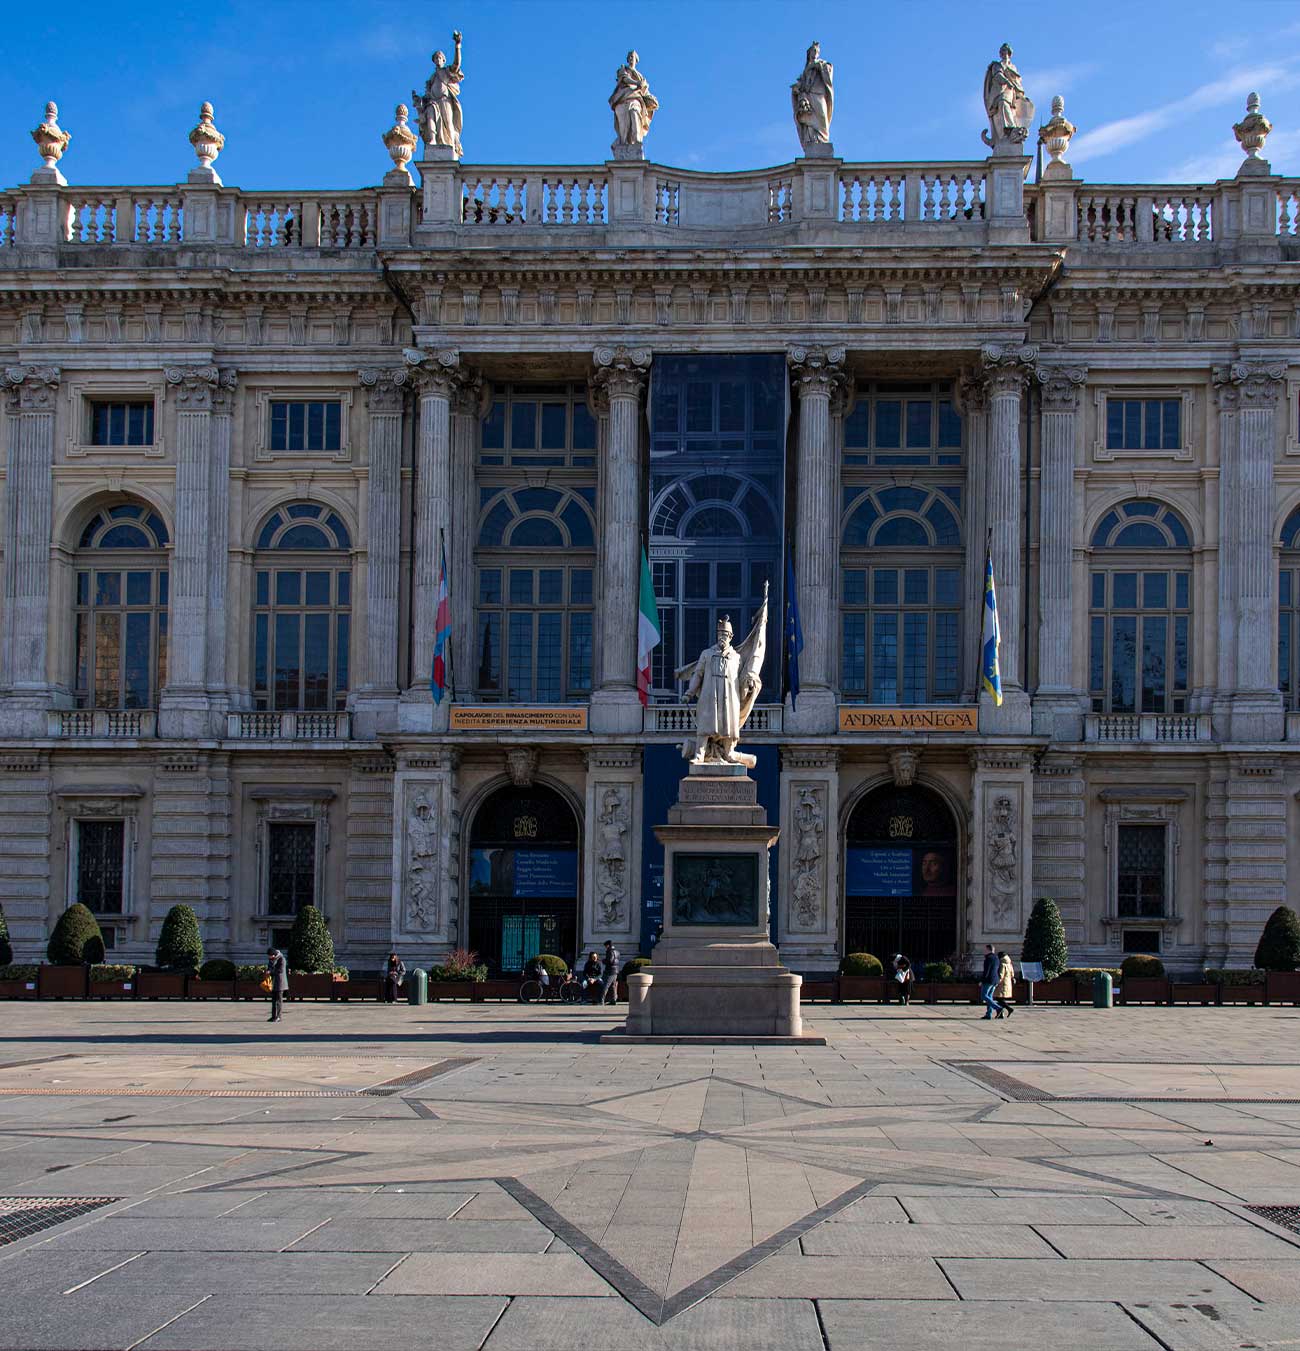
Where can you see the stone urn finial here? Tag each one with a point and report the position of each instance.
(207, 142)
(51, 141)
(1055, 133)
(399, 140)
(1252, 131)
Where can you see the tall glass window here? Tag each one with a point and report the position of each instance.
(302, 610)
(1140, 611)
(120, 637)
(539, 425)
(913, 423)
(1288, 619)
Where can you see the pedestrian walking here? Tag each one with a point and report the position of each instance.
(394, 977)
(609, 987)
(277, 970)
(904, 976)
(989, 981)
(1006, 985)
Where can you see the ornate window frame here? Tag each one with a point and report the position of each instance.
(1147, 807)
(276, 804)
(82, 394)
(265, 396)
(1187, 397)
(102, 802)
(1293, 416)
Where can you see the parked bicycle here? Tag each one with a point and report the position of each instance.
(532, 991)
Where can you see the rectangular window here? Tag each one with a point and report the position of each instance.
(1144, 424)
(125, 422)
(547, 633)
(1138, 653)
(302, 629)
(306, 424)
(100, 873)
(1140, 879)
(1141, 940)
(548, 425)
(291, 866)
(900, 424)
(912, 615)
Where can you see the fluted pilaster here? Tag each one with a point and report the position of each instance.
(973, 404)
(223, 410)
(466, 410)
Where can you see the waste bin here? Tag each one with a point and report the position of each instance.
(417, 987)
(1102, 994)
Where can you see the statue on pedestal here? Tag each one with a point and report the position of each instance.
(634, 107)
(812, 97)
(438, 108)
(724, 683)
(1011, 113)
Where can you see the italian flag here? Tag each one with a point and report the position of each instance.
(647, 630)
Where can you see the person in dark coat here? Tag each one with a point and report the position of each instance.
(989, 982)
(278, 970)
(394, 977)
(609, 986)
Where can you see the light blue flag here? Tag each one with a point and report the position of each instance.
(990, 673)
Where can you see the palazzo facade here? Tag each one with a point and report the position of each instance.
(244, 430)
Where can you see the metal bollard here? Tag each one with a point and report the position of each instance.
(1102, 993)
(417, 987)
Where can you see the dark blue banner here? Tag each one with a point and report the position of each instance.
(878, 872)
(546, 872)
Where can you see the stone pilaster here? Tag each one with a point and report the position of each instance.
(809, 890)
(223, 417)
(973, 404)
(1060, 846)
(620, 374)
(368, 858)
(1008, 369)
(425, 915)
(1248, 705)
(1002, 847)
(611, 892)
(1058, 706)
(190, 843)
(31, 393)
(26, 811)
(819, 379)
(1255, 871)
(466, 410)
(376, 699)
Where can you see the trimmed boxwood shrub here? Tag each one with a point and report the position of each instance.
(217, 968)
(112, 971)
(76, 940)
(939, 971)
(1082, 975)
(556, 967)
(18, 971)
(311, 949)
(461, 964)
(1279, 944)
(1219, 976)
(6, 950)
(861, 965)
(180, 944)
(340, 973)
(1141, 964)
(250, 972)
(1045, 938)
(630, 968)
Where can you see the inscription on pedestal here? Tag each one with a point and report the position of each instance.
(731, 792)
(715, 889)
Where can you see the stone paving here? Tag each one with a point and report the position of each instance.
(490, 1176)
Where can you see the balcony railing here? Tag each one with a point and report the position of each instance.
(284, 726)
(102, 722)
(680, 719)
(1130, 727)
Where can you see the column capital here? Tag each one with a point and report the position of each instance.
(223, 396)
(432, 372)
(1062, 386)
(385, 387)
(30, 388)
(621, 371)
(1007, 366)
(195, 386)
(817, 370)
(1248, 384)
(470, 394)
(971, 395)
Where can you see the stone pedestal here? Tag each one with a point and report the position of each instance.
(716, 973)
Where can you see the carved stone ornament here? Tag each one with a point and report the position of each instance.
(385, 387)
(1003, 860)
(1253, 129)
(808, 870)
(423, 836)
(621, 371)
(51, 140)
(1055, 133)
(817, 370)
(812, 100)
(1007, 366)
(613, 831)
(1010, 111)
(1249, 384)
(31, 389)
(1061, 387)
(521, 765)
(633, 106)
(195, 386)
(206, 139)
(399, 140)
(902, 764)
(432, 372)
(438, 108)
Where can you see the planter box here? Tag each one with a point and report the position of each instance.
(1283, 987)
(17, 989)
(250, 989)
(61, 982)
(866, 989)
(349, 989)
(817, 989)
(953, 992)
(160, 985)
(1193, 992)
(1145, 990)
(313, 986)
(462, 989)
(1059, 990)
(1243, 994)
(211, 989)
(112, 989)
(484, 989)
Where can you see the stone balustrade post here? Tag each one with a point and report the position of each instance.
(819, 378)
(620, 378)
(31, 397)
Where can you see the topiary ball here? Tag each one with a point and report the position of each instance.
(861, 965)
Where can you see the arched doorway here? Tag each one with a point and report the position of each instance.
(523, 878)
(901, 880)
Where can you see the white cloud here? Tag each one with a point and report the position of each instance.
(1282, 148)
(1056, 80)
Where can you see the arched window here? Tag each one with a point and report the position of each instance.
(535, 562)
(901, 562)
(1140, 611)
(121, 608)
(1288, 619)
(302, 610)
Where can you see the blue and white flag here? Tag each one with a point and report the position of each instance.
(793, 631)
(990, 674)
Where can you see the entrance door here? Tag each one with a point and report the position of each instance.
(900, 876)
(523, 879)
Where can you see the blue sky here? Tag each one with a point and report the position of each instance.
(304, 90)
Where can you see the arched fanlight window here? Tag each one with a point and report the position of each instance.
(901, 561)
(1140, 610)
(120, 637)
(302, 610)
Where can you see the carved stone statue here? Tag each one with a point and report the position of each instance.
(611, 858)
(634, 107)
(806, 885)
(438, 108)
(1010, 111)
(724, 684)
(1003, 860)
(812, 97)
(421, 864)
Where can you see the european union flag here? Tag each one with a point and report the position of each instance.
(990, 674)
(793, 631)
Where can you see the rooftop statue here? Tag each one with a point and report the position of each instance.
(812, 97)
(1011, 113)
(723, 682)
(439, 107)
(634, 107)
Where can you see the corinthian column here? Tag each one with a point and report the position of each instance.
(31, 393)
(973, 405)
(819, 378)
(223, 411)
(1061, 386)
(466, 411)
(620, 377)
(1007, 368)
